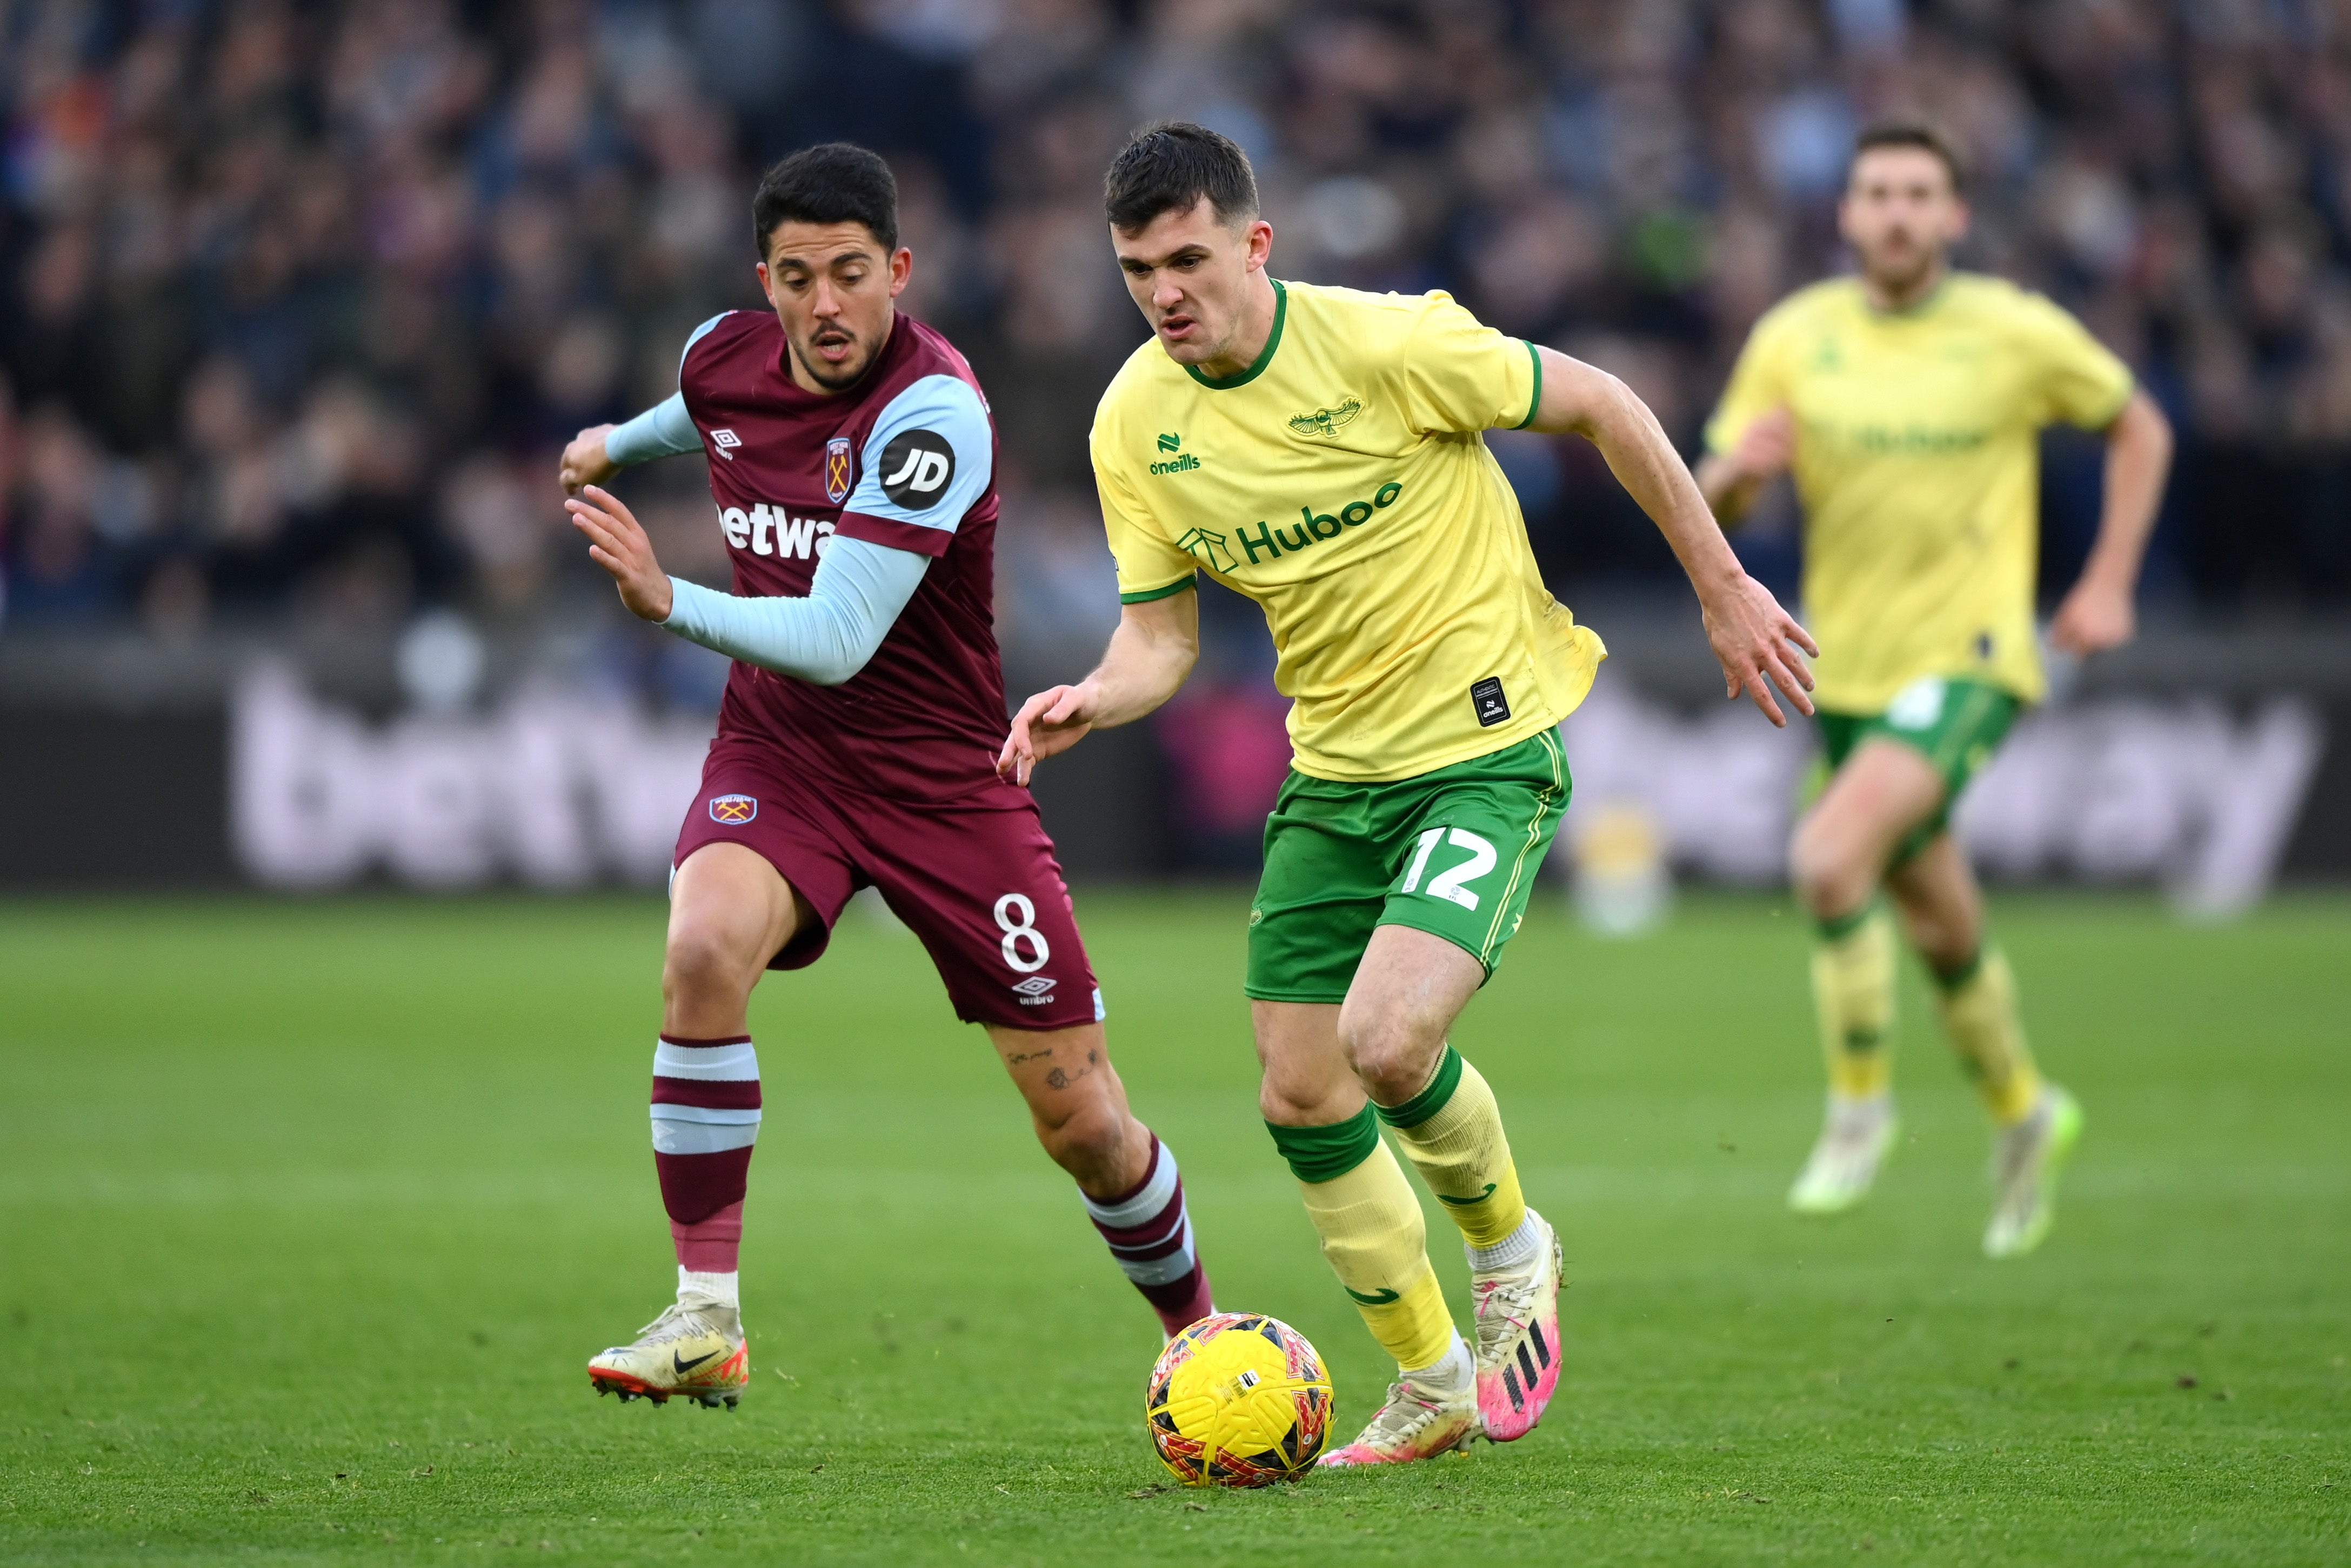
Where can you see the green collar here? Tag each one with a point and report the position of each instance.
(1917, 308)
(1264, 355)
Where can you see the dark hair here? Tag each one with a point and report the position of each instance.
(1170, 164)
(835, 183)
(1915, 134)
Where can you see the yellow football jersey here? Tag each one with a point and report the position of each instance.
(1343, 483)
(1918, 461)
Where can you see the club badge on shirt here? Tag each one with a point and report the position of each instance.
(836, 469)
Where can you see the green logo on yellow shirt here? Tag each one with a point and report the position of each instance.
(1171, 442)
(1327, 422)
(1270, 541)
(1208, 548)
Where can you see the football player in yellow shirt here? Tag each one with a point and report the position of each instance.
(1908, 401)
(1320, 450)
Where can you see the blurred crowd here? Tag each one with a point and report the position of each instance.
(299, 302)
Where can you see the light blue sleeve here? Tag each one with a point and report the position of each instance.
(929, 456)
(859, 591)
(664, 430)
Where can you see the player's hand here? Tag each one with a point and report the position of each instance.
(585, 461)
(1768, 446)
(2095, 617)
(1046, 724)
(617, 542)
(1757, 642)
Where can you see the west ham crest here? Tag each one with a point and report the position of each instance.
(836, 469)
(733, 808)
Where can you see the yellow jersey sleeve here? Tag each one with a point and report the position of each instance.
(1461, 375)
(2080, 380)
(1757, 385)
(1149, 567)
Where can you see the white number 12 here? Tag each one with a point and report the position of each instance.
(1447, 884)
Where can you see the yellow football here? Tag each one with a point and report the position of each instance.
(1238, 1399)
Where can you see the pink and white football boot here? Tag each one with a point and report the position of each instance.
(1415, 1422)
(1518, 1337)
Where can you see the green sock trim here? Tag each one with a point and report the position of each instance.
(1955, 978)
(1834, 928)
(1328, 1153)
(1429, 1101)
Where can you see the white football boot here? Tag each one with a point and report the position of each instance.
(2025, 1161)
(697, 1352)
(1853, 1142)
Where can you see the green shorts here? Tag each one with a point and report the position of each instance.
(1452, 853)
(1956, 724)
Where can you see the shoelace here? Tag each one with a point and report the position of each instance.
(1505, 1307)
(682, 1321)
(1404, 1412)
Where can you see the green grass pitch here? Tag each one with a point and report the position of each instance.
(311, 1214)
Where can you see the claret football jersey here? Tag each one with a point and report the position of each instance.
(907, 458)
(1917, 462)
(1343, 482)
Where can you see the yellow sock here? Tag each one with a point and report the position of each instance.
(1452, 1132)
(1853, 990)
(1978, 1008)
(1372, 1233)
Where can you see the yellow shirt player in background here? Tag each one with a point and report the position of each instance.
(1320, 450)
(1909, 402)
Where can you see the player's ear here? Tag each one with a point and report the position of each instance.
(901, 267)
(1261, 245)
(767, 280)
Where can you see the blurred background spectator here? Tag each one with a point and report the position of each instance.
(298, 301)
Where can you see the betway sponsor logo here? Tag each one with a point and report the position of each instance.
(766, 531)
(1269, 541)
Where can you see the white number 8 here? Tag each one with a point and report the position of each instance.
(1017, 917)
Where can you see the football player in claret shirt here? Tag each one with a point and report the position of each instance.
(1909, 401)
(1319, 450)
(853, 467)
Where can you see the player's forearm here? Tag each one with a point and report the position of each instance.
(858, 593)
(1149, 658)
(1634, 446)
(664, 430)
(2139, 458)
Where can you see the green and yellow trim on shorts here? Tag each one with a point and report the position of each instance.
(1453, 852)
(1956, 724)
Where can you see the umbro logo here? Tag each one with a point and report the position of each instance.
(1037, 991)
(726, 441)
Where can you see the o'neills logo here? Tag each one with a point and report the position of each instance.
(1183, 464)
(1272, 541)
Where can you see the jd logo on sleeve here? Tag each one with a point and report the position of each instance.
(917, 466)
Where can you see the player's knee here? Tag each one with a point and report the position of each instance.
(1293, 1102)
(1090, 1142)
(1392, 1057)
(1945, 939)
(1828, 877)
(704, 963)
